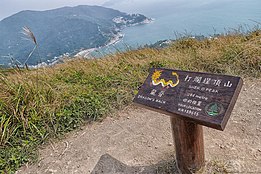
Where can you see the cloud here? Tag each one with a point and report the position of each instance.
(112, 2)
(117, 2)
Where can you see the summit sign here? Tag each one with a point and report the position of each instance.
(203, 98)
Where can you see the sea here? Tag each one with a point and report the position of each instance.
(176, 18)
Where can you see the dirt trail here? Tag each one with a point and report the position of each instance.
(139, 137)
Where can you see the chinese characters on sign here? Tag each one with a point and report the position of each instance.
(204, 98)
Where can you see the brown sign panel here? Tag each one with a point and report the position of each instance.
(206, 99)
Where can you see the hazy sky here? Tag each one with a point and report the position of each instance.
(9, 7)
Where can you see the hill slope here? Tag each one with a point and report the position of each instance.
(60, 31)
(36, 105)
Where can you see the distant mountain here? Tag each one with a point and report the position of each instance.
(60, 31)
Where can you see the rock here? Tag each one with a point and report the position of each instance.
(233, 166)
(52, 171)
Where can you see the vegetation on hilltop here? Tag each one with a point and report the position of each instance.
(36, 105)
(61, 31)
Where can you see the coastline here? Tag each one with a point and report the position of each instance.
(114, 40)
(86, 53)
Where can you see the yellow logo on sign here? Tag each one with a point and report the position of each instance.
(156, 80)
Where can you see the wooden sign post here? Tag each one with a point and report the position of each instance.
(192, 99)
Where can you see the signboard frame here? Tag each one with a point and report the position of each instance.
(203, 98)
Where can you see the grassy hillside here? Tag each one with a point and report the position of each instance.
(36, 105)
(60, 31)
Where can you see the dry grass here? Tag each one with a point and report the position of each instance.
(42, 103)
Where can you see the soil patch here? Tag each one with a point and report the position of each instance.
(140, 141)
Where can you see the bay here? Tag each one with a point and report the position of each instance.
(191, 17)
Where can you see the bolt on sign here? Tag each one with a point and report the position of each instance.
(203, 98)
